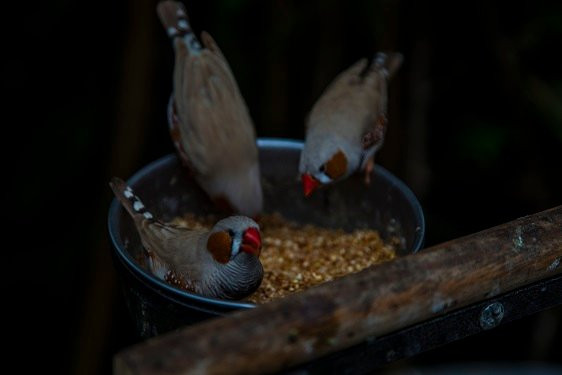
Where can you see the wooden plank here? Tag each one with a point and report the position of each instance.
(368, 304)
(366, 357)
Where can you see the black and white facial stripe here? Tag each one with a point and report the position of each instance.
(236, 242)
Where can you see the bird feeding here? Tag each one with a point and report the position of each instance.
(220, 261)
(347, 124)
(207, 113)
(209, 121)
(217, 166)
(220, 258)
(297, 257)
(386, 205)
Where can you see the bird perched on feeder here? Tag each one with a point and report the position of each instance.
(209, 121)
(222, 262)
(347, 124)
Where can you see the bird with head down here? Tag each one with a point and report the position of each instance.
(347, 124)
(209, 122)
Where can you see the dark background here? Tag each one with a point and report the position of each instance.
(475, 130)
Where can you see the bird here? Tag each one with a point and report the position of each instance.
(222, 262)
(347, 124)
(209, 122)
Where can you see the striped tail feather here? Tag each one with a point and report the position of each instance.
(129, 200)
(173, 16)
(387, 62)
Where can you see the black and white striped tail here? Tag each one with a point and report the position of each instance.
(129, 200)
(387, 63)
(173, 16)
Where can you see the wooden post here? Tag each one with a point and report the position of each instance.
(374, 302)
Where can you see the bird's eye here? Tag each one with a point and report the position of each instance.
(231, 233)
(322, 168)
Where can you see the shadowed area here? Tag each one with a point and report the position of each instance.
(474, 129)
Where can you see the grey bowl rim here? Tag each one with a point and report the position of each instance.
(125, 257)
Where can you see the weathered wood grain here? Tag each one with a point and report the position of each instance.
(371, 303)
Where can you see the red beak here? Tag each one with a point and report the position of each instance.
(251, 242)
(309, 184)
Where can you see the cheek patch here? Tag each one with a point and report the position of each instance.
(336, 166)
(219, 245)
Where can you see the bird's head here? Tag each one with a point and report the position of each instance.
(232, 236)
(325, 163)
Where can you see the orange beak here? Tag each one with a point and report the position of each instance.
(309, 184)
(251, 242)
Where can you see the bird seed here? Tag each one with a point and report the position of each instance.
(296, 257)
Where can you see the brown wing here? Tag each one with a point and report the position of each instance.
(384, 66)
(175, 134)
(375, 133)
(172, 248)
(350, 104)
(214, 123)
(354, 104)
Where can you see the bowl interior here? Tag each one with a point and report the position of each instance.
(168, 191)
